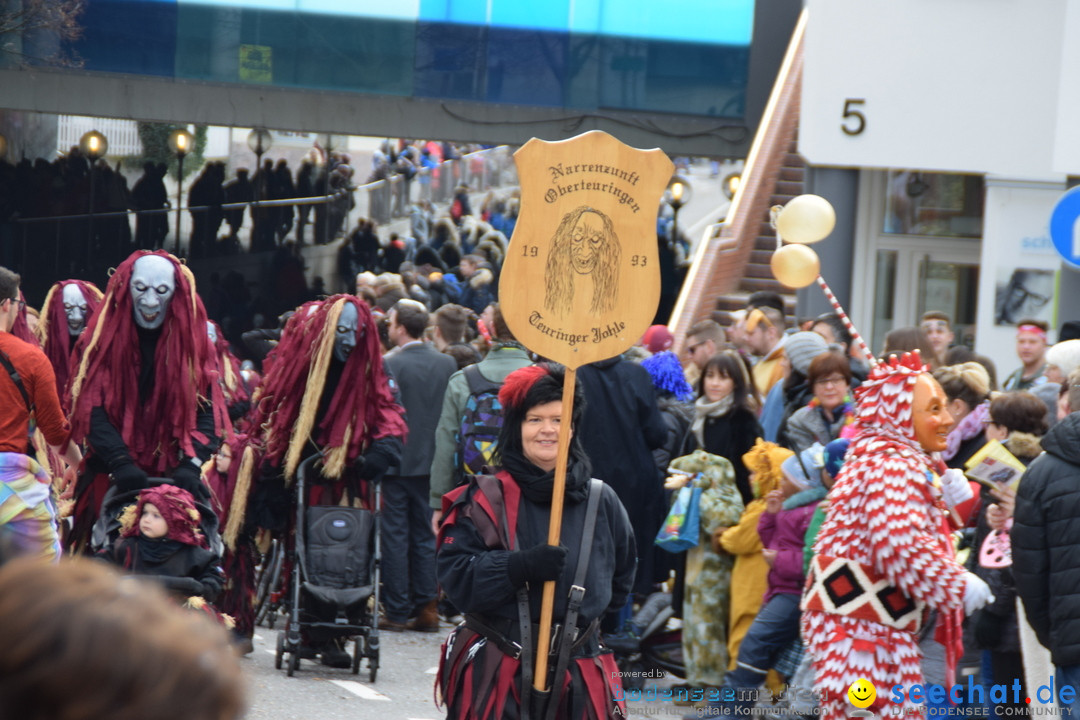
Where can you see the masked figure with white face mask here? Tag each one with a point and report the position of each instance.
(325, 389)
(67, 308)
(146, 395)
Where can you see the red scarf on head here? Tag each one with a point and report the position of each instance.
(177, 507)
(157, 429)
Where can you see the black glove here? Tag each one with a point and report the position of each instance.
(376, 461)
(185, 585)
(187, 477)
(128, 477)
(537, 564)
(988, 627)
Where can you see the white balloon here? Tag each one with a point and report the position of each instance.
(806, 219)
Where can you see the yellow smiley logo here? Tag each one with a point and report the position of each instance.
(862, 693)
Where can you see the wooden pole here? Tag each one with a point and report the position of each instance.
(547, 606)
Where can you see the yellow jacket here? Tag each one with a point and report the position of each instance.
(769, 371)
(748, 577)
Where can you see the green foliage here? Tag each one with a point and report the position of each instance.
(155, 144)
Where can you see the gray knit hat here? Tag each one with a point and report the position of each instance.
(802, 348)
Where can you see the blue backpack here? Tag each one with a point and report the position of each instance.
(479, 428)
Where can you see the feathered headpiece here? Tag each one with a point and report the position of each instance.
(667, 375)
(52, 329)
(176, 506)
(362, 408)
(518, 383)
(156, 429)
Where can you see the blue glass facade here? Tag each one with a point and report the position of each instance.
(682, 56)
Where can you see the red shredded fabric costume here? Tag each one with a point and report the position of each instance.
(237, 398)
(229, 498)
(53, 329)
(883, 557)
(309, 401)
(147, 402)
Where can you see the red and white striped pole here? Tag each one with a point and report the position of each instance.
(847, 321)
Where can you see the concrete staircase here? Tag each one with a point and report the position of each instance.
(756, 274)
(733, 261)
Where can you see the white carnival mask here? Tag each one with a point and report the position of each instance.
(211, 332)
(153, 283)
(76, 309)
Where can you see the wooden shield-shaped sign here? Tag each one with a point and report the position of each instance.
(581, 280)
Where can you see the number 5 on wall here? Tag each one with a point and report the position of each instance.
(854, 121)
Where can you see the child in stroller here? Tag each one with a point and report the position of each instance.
(161, 537)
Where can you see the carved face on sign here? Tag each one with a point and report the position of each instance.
(585, 243)
(582, 281)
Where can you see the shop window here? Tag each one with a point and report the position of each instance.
(933, 204)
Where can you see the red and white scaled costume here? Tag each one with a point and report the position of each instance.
(883, 557)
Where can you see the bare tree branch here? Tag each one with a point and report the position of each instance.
(24, 21)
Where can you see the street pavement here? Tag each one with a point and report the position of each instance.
(403, 690)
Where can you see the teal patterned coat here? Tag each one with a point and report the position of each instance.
(707, 601)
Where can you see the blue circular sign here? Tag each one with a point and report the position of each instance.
(1065, 227)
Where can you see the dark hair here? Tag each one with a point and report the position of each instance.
(545, 389)
(1019, 411)
(452, 320)
(906, 339)
(826, 364)
(959, 354)
(9, 284)
(840, 331)
(764, 299)
(412, 316)
(463, 353)
(501, 331)
(707, 330)
(1070, 330)
(731, 364)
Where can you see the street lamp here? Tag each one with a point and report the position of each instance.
(259, 141)
(180, 142)
(93, 146)
(730, 185)
(679, 193)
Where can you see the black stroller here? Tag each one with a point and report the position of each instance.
(658, 648)
(334, 580)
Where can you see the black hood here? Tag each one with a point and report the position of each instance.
(1063, 440)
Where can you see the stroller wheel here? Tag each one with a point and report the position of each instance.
(280, 654)
(356, 655)
(294, 663)
(373, 665)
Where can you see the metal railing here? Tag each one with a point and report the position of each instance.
(86, 245)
